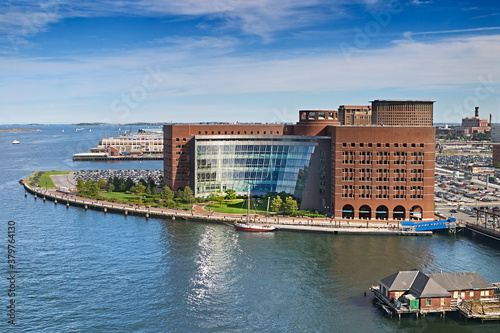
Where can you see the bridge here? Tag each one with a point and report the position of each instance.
(451, 222)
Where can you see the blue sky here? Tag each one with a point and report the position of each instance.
(247, 61)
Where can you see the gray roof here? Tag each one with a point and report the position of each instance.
(424, 286)
(462, 281)
(401, 280)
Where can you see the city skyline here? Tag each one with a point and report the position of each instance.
(228, 60)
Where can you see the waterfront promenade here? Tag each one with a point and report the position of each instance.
(199, 214)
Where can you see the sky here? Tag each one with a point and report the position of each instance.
(243, 61)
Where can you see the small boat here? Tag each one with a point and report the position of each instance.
(253, 227)
(16, 142)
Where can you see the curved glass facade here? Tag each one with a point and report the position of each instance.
(265, 163)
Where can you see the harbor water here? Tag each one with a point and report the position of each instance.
(86, 271)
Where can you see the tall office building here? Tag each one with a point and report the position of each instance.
(402, 112)
(368, 172)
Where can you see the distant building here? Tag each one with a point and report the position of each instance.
(495, 133)
(496, 154)
(473, 125)
(355, 115)
(402, 112)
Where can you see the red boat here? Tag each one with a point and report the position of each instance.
(253, 227)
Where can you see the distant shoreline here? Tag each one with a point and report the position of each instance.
(19, 130)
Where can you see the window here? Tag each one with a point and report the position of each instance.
(428, 301)
(176, 139)
(344, 144)
(471, 294)
(443, 301)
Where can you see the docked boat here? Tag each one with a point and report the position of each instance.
(253, 227)
(16, 142)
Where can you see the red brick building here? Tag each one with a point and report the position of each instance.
(496, 154)
(367, 172)
(473, 125)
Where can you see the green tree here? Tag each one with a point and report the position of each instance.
(230, 194)
(101, 183)
(290, 206)
(129, 183)
(217, 197)
(80, 185)
(185, 195)
(111, 187)
(188, 194)
(148, 190)
(276, 204)
(94, 188)
(154, 191)
(167, 194)
(140, 189)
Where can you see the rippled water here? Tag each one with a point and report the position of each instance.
(92, 272)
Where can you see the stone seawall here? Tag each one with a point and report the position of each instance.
(281, 223)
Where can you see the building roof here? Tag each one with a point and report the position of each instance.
(403, 100)
(462, 281)
(401, 280)
(424, 287)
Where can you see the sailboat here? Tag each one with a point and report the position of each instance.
(252, 227)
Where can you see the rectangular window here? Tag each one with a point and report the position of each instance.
(428, 301)
(471, 294)
(443, 301)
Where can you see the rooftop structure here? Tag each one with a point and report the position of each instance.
(355, 115)
(390, 112)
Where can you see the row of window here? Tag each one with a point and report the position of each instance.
(380, 145)
(233, 132)
(383, 187)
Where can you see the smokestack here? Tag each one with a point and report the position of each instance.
(477, 111)
(491, 119)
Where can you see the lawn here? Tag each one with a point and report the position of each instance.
(46, 181)
(120, 196)
(238, 207)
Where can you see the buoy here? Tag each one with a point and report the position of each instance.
(86, 207)
(35, 196)
(126, 212)
(25, 194)
(147, 215)
(173, 218)
(55, 202)
(43, 199)
(67, 204)
(105, 210)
